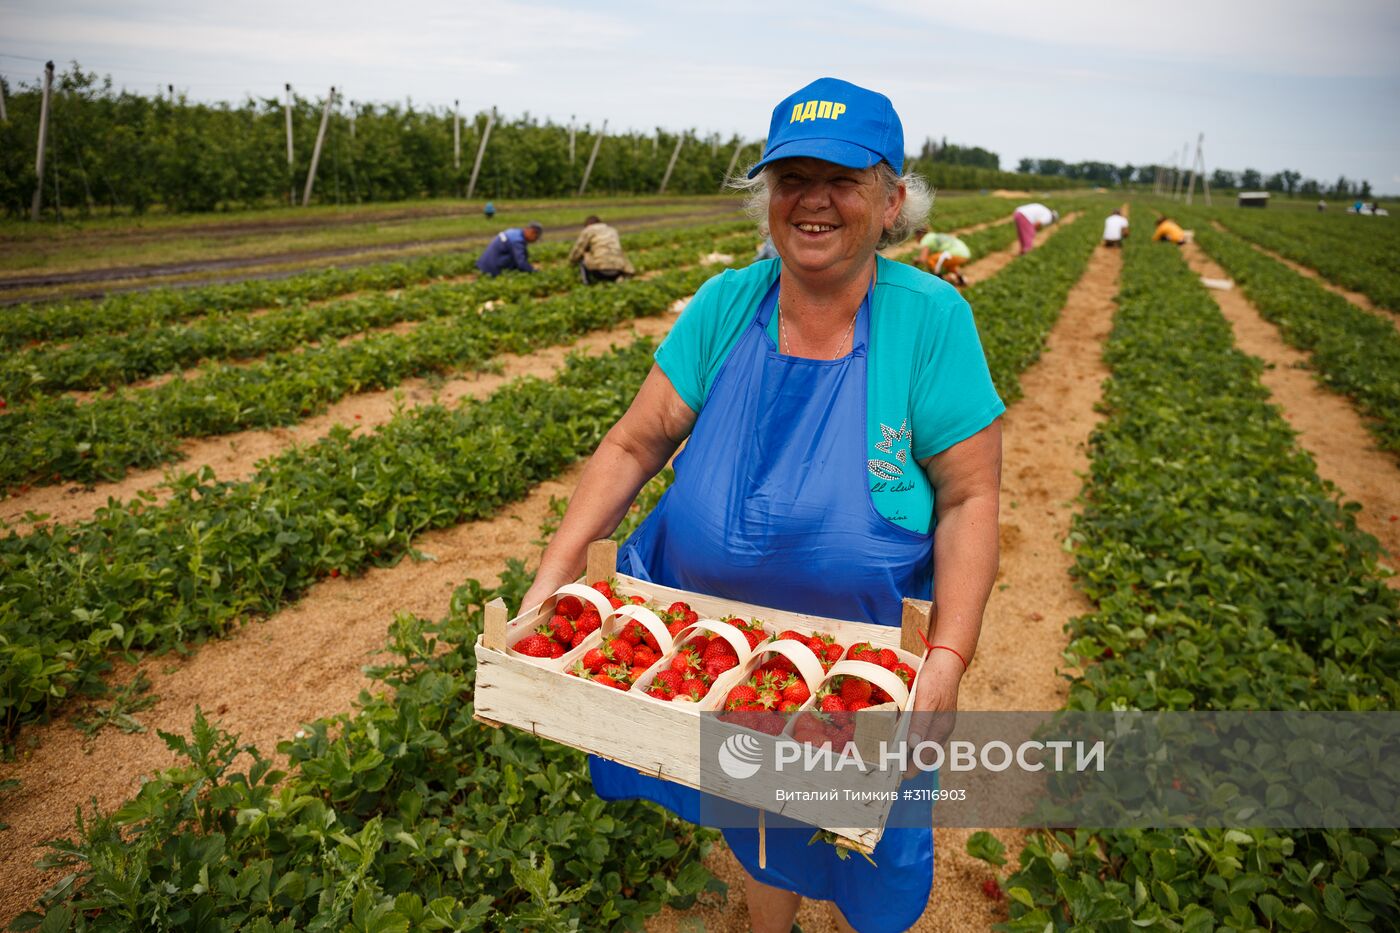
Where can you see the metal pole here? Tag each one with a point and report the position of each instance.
(456, 136)
(1179, 171)
(316, 152)
(481, 151)
(1205, 181)
(733, 161)
(4, 117)
(670, 166)
(593, 156)
(291, 164)
(37, 205)
(572, 130)
(1191, 180)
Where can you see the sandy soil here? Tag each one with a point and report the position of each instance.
(1356, 298)
(1329, 427)
(313, 651)
(1044, 453)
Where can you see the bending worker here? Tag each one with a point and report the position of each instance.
(1169, 230)
(942, 254)
(1030, 218)
(598, 252)
(1115, 228)
(509, 250)
(841, 429)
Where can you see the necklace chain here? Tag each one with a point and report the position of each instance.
(783, 340)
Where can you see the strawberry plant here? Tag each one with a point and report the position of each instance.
(1226, 576)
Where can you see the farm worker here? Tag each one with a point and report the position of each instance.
(766, 250)
(1030, 218)
(509, 250)
(489, 210)
(598, 253)
(943, 254)
(841, 428)
(1169, 230)
(1321, 204)
(1115, 228)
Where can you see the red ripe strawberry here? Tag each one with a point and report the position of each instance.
(992, 890)
(788, 706)
(607, 681)
(594, 660)
(617, 601)
(861, 650)
(718, 665)
(561, 629)
(741, 696)
(791, 635)
(691, 617)
(879, 696)
(754, 636)
(718, 648)
(888, 659)
(636, 673)
(588, 621)
(631, 634)
(604, 587)
(638, 600)
(857, 706)
(570, 607)
(676, 627)
(795, 691)
(695, 688)
(578, 639)
(853, 689)
(621, 651)
(642, 656)
(534, 646)
(905, 673)
(556, 650)
(831, 703)
(834, 652)
(670, 681)
(678, 609)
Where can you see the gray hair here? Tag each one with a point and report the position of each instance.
(918, 201)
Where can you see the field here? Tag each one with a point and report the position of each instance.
(250, 526)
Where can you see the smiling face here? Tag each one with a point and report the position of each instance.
(826, 218)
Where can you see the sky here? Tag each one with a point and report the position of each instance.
(1272, 84)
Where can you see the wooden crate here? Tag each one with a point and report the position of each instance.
(662, 738)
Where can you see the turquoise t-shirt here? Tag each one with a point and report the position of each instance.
(929, 386)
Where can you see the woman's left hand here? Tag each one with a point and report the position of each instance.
(935, 701)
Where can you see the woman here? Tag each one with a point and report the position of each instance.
(843, 439)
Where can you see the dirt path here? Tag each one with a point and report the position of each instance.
(1045, 450)
(1356, 298)
(1329, 427)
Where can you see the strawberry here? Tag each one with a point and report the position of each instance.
(594, 661)
(831, 703)
(642, 656)
(607, 681)
(621, 650)
(534, 646)
(718, 648)
(795, 691)
(561, 629)
(676, 627)
(570, 607)
(833, 653)
(718, 665)
(685, 661)
(588, 621)
(670, 681)
(888, 659)
(636, 673)
(556, 650)
(853, 689)
(578, 639)
(739, 696)
(788, 706)
(863, 651)
(617, 601)
(691, 617)
(857, 706)
(905, 673)
(791, 635)
(678, 609)
(695, 688)
(604, 587)
(631, 633)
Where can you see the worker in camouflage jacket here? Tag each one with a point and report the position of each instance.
(598, 253)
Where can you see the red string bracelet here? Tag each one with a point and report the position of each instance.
(932, 648)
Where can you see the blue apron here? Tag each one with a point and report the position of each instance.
(771, 505)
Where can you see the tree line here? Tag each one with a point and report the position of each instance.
(1108, 174)
(119, 151)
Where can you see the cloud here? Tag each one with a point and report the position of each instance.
(1342, 38)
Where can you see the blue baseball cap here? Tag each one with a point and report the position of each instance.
(835, 121)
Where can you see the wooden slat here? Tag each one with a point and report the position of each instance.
(914, 621)
(602, 561)
(495, 624)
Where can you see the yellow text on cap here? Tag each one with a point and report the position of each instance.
(816, 110)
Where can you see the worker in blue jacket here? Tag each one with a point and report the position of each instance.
(509, 250)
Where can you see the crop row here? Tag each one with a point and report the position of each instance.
(143, 577)
(1226, 576)
(101, 360)
(1356, 252)
(24, 324)
(1354, 351)
(55, 438)
(406, 814)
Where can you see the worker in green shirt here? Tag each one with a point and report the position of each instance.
(943, 254)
